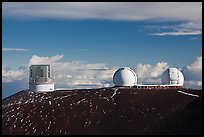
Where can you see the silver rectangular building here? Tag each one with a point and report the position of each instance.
(40, 78)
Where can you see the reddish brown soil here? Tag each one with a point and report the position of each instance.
(98, 111)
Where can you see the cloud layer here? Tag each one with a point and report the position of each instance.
(188, 28)
(177, 33)
(193, 74)
(11, 75)
(187, 11)
(150, 74)
(44, 60)
(77, 74)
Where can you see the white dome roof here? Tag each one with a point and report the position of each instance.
(124, 77)
(172, 76)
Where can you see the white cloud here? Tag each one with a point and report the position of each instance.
(150, 74)
(11, 75)
(77, 74)
(186, 11)
(187, 28)
(80, 74)
(193, 73)
(44, 60)
(14, 49)
(177, 33)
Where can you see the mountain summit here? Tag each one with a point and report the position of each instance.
(109, 111)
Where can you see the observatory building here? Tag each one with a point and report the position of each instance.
(125, 77)
(40, 78)
(171, 78)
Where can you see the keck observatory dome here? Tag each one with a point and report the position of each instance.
(125, 77)
(173, 76)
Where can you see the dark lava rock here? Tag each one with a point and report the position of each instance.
(109, 111)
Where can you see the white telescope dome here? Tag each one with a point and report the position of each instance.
(124, 77)
(173, 76)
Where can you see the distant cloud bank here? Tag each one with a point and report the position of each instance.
(77, 74)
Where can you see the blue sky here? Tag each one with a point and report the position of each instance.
(114, 34)
(113, 42)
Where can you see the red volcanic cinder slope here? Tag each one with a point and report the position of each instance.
(106, 111)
